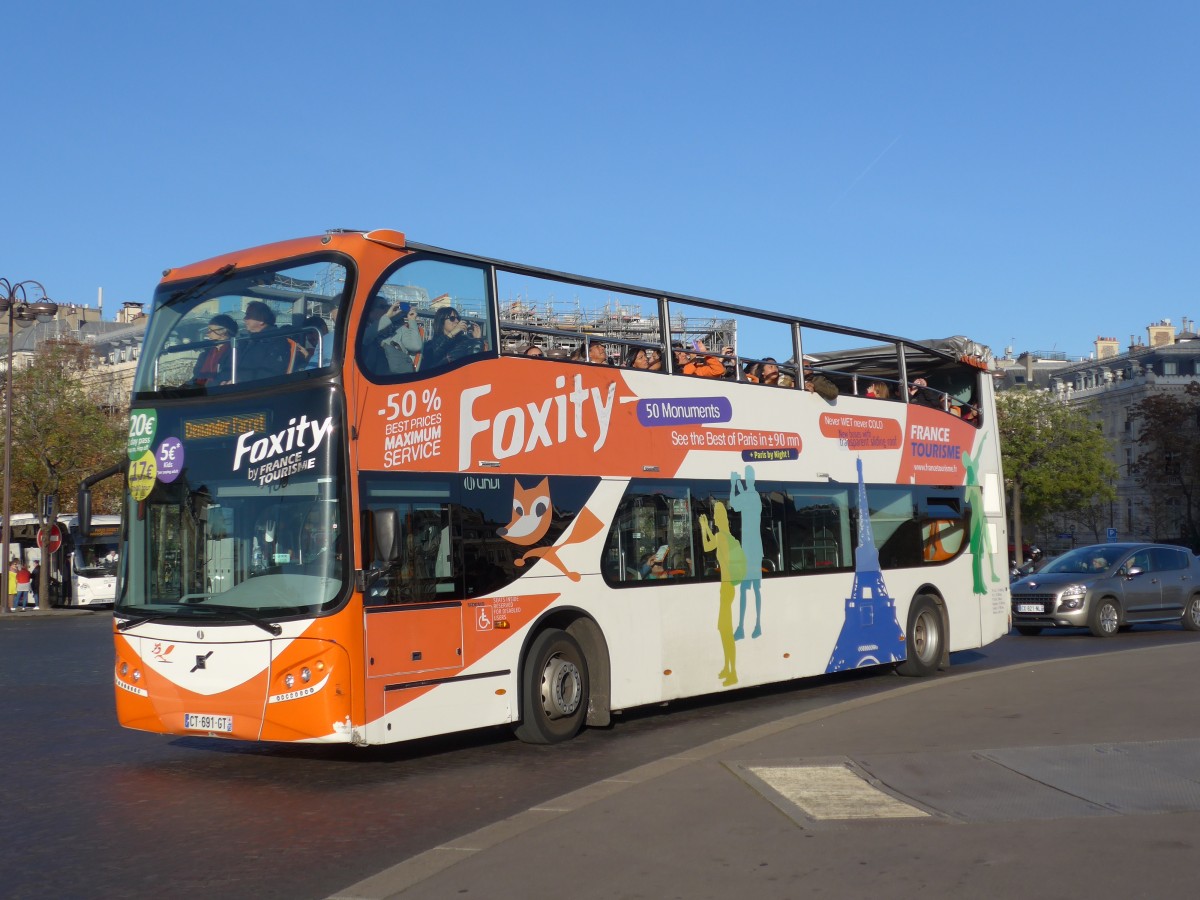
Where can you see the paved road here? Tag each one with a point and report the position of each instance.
(94, 810)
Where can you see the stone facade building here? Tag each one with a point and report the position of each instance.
(1111, 384)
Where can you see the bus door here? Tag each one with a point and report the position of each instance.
(414, 616)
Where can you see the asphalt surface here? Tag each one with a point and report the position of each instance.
(1067, 777)
(1075, 777)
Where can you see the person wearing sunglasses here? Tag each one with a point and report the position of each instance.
(453, 338)
(215, 364)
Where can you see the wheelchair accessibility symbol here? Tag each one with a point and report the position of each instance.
(483, 621)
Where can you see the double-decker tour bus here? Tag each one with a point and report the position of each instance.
(378, 490)
(83, 570)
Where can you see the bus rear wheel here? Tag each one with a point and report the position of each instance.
(925, 640)
(554, 689)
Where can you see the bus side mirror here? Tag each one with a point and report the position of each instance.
(83, 499)
(386, 532)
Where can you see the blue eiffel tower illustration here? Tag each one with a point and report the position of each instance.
(870, 633)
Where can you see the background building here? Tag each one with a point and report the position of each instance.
(1110, 384)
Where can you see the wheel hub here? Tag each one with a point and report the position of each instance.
(562, 688)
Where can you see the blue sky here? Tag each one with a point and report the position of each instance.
(1024, 173)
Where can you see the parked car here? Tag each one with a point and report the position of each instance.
(1106, 587)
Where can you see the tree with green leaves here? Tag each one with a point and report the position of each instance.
(1056, 459)
(61, 431)
(1167, 467)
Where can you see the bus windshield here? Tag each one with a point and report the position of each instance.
(229, 330)
(97, 557)
(244, 514)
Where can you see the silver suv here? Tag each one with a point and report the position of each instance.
(1105, 587)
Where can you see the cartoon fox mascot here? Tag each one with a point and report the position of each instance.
(531, 522)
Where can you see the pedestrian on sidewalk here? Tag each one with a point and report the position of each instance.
(12, 583)
(23, 582)
(35, 575)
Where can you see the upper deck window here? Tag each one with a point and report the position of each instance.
(426, 315)
(244, 327)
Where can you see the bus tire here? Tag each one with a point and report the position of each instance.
(925, 639)
(554, 689)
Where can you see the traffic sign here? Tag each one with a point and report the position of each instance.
(53, 534)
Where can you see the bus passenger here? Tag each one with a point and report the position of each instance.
(453, 339)
(878, 390)
(919, 393)
(533, 351)
(636, 358)
(769, 371)
(392, 337)
(215, 365)
(816, 383)
(654, 359)
(314, 335)
(266, 353)
(598, 355)
(687, 363)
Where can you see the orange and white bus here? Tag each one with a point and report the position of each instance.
(378, 490)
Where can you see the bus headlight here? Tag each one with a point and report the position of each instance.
(289, 680)
(306, 674)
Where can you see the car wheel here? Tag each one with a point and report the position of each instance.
(554, 689)
(1029, 630)
(1104, 618)
(1191, 613)
(925, 639)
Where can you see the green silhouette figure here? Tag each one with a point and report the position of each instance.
(979, 547)
(732, 562)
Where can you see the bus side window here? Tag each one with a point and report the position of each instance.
(817, 531)
(426, 315)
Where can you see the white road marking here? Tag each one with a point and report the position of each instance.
(834, 792)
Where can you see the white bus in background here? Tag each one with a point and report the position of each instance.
(83, 571)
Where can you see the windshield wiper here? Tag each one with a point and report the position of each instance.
(250, 617)
(236, 611)
(140, 620)
(212, 280)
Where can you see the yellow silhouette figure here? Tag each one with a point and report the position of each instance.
(732, 562)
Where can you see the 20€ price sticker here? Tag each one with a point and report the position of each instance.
(142, 472)
(142, 425)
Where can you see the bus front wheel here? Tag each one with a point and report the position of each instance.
(554, 689)
(925, 641)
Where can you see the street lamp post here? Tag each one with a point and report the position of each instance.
(15, 302)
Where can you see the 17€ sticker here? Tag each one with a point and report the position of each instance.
(142, 472)
(142, 426)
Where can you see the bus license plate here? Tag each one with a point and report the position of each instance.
(205, 722)
(1030, 607)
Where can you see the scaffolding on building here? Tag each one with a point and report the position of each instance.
(567, 326)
